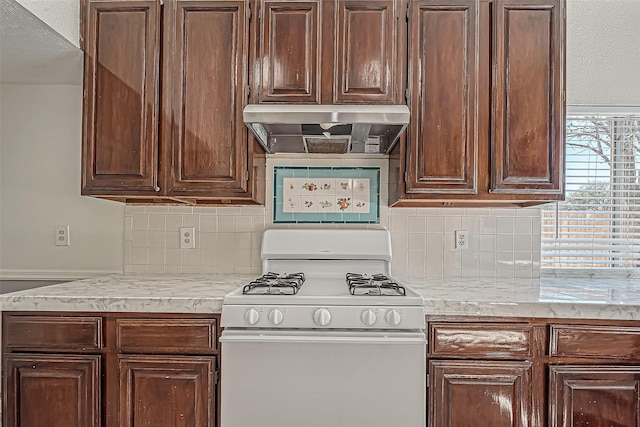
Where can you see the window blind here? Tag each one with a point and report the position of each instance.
(598, 225)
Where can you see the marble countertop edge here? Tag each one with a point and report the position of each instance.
(544, 298)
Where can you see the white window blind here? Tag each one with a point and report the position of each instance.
(598, 225)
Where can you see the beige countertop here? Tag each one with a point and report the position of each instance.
(596, 298)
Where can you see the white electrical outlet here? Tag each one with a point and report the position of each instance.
(462, 240)
(62, 235)
(187, 237)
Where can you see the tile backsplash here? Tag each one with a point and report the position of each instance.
(502, 242)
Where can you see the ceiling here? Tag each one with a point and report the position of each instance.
(31, 52)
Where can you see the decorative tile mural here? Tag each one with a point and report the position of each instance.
(326, 194)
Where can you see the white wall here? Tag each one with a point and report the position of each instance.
(40, 149)
(603, 52)
(502, 242)
(40, 175)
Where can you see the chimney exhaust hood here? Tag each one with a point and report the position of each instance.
(327, 129)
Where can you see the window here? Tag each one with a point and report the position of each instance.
(598, 225)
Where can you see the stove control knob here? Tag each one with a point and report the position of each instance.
(393, 318)
(252, 316)
(322, 317)
(275, 316)
(368, 317)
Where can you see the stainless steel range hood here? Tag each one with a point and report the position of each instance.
(328, 129)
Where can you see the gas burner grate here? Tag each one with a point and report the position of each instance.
(275, 284)
(376, 284)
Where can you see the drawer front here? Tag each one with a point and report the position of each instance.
(173, 336)
(480, 340)
(606, 342)
(53, 333)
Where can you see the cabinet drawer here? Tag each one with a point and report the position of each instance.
(480, 340)
(595, 341)
(53, 333)
(166, 336)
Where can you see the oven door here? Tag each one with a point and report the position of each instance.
(323, 378)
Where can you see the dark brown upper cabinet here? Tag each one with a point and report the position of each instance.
(205, 92)
(528, 103)
(330, 51)
(444, 68)
(290, 47)
(181, 138)
(366, 52)
(121, 99)
(486, 93)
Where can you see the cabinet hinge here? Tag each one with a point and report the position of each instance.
(248, 91)
(161, 2)
(407, 93)
(427, 380)
(215, 377)
(406, 177)
(408, 12)
(246, 175)
(249, 12)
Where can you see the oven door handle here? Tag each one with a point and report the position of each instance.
(321, 337)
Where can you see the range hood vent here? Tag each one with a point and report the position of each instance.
(327, 129)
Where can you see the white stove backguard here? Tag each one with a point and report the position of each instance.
(328, 244)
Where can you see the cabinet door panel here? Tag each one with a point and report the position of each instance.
(481, 340)
(443, 67)
(528, 104)
(206, 81)
(470, 394)
(366, 52)
(172, 336)
(290, 51)
(53, 333)
(120, 130)
(603, 342)
(52, 390)
(594, 396)
(175, 391)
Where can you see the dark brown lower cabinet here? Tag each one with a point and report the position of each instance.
(479, 393)
(110, 370)
(52, 390)
(594, 396)
(176, 391)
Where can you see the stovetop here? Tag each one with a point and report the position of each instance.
(324, 278)
(325, 291)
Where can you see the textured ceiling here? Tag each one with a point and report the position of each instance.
(32, 52)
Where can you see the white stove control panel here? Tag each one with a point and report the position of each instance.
(338, 317)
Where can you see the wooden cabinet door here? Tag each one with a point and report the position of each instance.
(594, 396)
(205, 84)
(176, 391)
(51, 390)
(528, 97)
(120, 112)
(366, 51)
(477, 393)
(443, 68)
(289, 51)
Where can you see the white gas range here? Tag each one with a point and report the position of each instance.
(328, 327)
